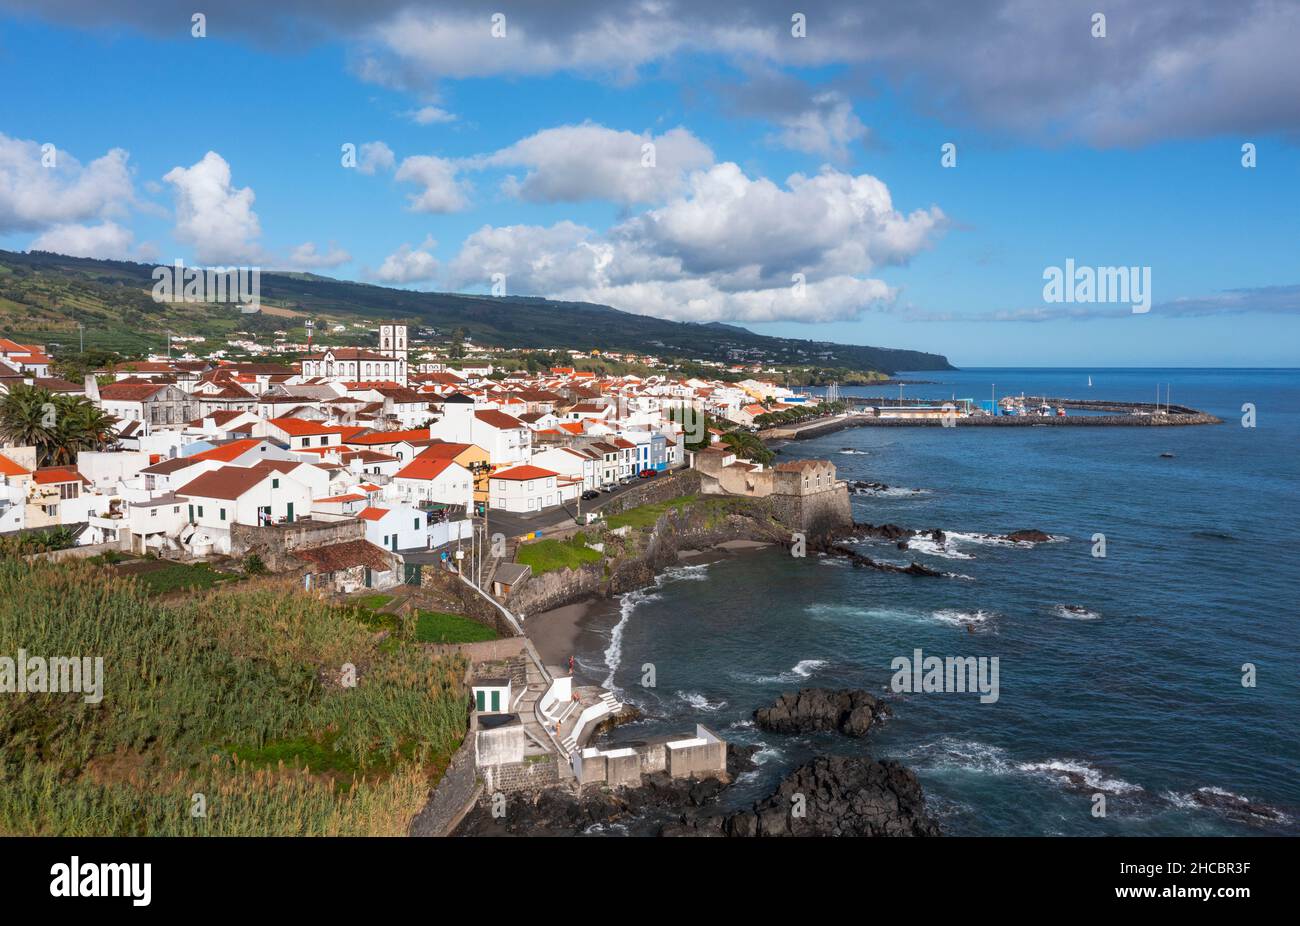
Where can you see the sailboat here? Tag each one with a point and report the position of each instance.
(1089, 382)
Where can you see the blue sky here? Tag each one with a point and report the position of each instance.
(531, 168)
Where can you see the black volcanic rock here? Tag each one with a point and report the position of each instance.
(839, 796)
(1028, 536)
(850, 711)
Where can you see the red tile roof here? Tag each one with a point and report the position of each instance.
(372, 513)
(9, 468)
(228, 453)
(229, 482)
(423, 467)
(498, 419)
(527, 471)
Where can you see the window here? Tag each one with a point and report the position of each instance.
(153, 512)
(275, 483)
(415, 524)
(324, 439)
(176, 509)
(223, 514)
(200, 511)
(306, 441)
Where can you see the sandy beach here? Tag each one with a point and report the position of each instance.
(555, 632)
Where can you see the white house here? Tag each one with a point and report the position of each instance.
(524, 488)
(396, 527)
(239, 495)
(570, 461)
(432, 479)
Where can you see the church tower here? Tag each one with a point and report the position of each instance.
(392, 343)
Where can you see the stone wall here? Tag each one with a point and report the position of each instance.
(652, 491)
(553, 589)
(813, 513)
(520, 776)
(274, 543)
(454, 795)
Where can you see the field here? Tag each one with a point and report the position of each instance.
(549, 555)
(440, 627)
(251, 708)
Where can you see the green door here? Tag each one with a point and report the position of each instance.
(288, 514)
(369, 578)
(496, 700)
(482, 700)
(191, 512)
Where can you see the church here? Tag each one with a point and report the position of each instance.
(360, 365)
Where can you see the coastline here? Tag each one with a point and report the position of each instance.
(558, 633)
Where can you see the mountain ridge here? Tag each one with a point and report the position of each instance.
(41, 291)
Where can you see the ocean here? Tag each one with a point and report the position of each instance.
(1120, 675)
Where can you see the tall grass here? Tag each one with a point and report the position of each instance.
(196, 692)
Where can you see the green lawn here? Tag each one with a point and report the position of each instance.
(646, 515)
(175, 577)
(373, 602)
(440, 627)
(549, 555)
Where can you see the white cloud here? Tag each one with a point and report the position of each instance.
(107, 241)
(442, 191)
(431, 115)
(409, 264)
(827, 128)
(729, 249)
(375, 155)
(211, 215)
(573, 163)
(306, 257)
(34, 196)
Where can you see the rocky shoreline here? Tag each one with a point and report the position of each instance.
(826, 796)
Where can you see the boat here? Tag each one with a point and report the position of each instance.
(1166, 455)
(1089, 382)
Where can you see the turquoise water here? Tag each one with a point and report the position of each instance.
(1139, 698)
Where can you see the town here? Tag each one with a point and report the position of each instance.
(414, 489)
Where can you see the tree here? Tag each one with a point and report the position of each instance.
(59, 426)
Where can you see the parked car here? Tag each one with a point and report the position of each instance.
(649, 473)
(609, 487)
(590, 494)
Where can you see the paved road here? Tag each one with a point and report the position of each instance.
(512, 524)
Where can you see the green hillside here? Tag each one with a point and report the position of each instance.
(44, 296)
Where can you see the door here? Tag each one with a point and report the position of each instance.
(394, 543)
(369, 578)
(496, 700)
(481, 700)
(288, 516)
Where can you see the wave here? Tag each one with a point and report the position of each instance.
(695, 573)
(1227, 804)
(1074, 612)
(1078, 776)
(804, 668)
(855, 453)
(767, 754)
(699, 701)
(932, 547)
(964, 618)
(949, 754)
(890, 492)
(614, 652)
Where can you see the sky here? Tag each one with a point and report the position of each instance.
(777, 166)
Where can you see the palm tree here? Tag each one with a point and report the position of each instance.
(26, 417)
(58, 426)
